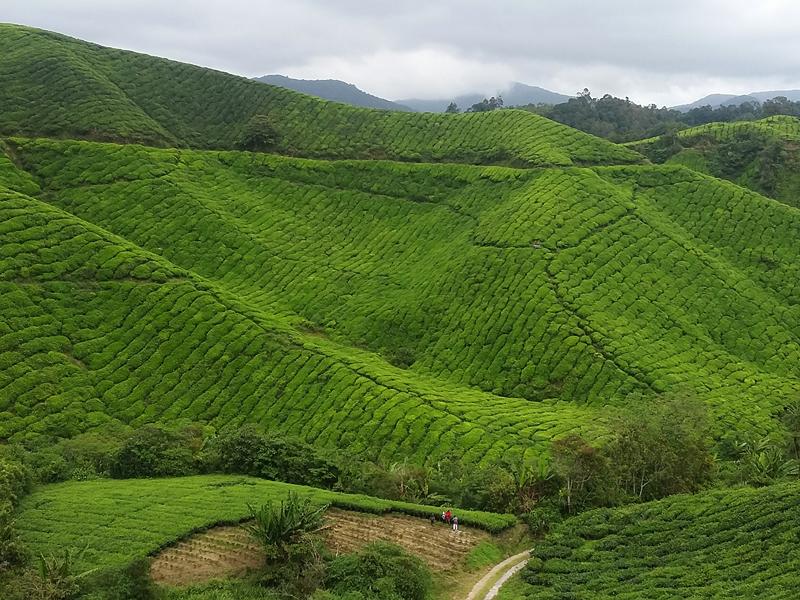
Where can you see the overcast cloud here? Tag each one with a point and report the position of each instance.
(665, 52)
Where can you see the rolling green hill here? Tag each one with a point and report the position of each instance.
(414, 309)
(95, 329)
(515, 305)
(739, 543)
(55, 86)
(761, 155)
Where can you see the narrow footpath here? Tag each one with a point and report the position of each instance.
(489, 585)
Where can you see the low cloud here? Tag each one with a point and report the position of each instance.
(661, 52)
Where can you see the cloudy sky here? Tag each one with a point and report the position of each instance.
(665, 52)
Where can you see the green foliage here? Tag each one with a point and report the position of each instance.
(736, 543)
(483, 555)
(381, 571)
(117, 521)
(761, 155)
(258, 135)
(61, 87)
(764, 461)
(486, 105)
(542, 518)
(14, 484)
(53, 578)
(153, 452)
(279, 528)
(569, 288)
(660, 449)
(222, 590)
(250, 451)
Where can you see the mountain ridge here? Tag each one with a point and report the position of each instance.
(333, 89)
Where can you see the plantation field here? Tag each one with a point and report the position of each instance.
(229, 550)
(760, 155)
(738, 543)
(116, 521)
(779, 126)
(426, 311)
(56, 86)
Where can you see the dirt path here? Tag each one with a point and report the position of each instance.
(489, 585)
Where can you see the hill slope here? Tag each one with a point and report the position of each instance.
(494, 291)
(96, 329)
(762, 155)
(56, 86)
(739, 543)
(333, 89)
(117, 521)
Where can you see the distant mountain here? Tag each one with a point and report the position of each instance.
(517, 94)
(333, 89)
(717, 100)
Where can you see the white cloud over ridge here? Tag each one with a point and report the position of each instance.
(660, 52)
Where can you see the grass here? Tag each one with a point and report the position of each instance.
(118, 521)
(483, 555)
(736, 543)
(56, 86)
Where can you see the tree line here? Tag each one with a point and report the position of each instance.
(621, 120)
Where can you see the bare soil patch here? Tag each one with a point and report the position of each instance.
(228, 551)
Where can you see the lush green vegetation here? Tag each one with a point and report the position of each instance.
(506, 338)
(117, 521)
(737, 543)
(60, 87)
(252, 298)
(760, 155)
(620, 120)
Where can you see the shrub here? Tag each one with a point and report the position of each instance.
(381, 571)
(153, 452)
(289, 534)
(250, 451)
(14, 483)
(258, 134)
(542, 518)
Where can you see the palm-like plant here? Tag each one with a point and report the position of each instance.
(283, 527)
(764, 461)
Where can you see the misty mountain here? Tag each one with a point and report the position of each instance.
(333, 89)
(717, 100)
(517, 94)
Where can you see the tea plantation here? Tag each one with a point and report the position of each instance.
(760, 155)
(110, 523)
(184, 247)
(56, 86)
(739, 543)
(567, 289)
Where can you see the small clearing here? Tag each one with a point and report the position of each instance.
(228, 551)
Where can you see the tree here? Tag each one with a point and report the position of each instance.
(763, 461)
(251, 451)
(487, 104)
(258, 135)
(791, 419)
(578, 466)
(452, 108)
(662, 448)
(153, 452)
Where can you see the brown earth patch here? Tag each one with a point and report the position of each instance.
(228, 551)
